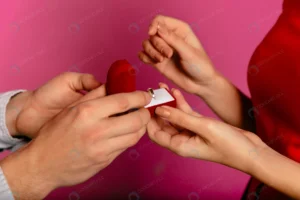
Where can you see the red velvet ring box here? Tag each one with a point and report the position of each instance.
(121, 78)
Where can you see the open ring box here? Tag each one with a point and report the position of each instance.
(121, 78)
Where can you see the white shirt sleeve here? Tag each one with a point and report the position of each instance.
(5, 192)
(6, 140)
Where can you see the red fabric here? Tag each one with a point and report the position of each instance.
(274, 80)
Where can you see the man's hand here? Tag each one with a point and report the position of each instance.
(36, 107)
(77, 143)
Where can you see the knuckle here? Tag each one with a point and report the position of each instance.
(84, 110)
(104, 128)
(155, 41)
(138, 122)
(87, 139)
(157, 18)
(149, 50)
(97, 155)
(123, 102)
(145, 115)
(66, 74)
(157, 44)
(157, 56)
(143, 98)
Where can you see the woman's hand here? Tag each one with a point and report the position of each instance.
(77, 143)
(42, 104)
(174, 50)
(189, 134)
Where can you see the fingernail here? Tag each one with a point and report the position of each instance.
(162, 111)
(175, 92)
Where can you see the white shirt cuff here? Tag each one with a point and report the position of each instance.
(6, 140)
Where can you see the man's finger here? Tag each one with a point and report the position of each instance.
(118, 103)
(94, 94)
(129, 123)
(80, 81)
(125, 141)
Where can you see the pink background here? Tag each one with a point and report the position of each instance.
(42, 38)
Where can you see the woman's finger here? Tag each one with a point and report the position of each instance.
(182, 104)
(145, 58)
(163, 85)
(152, 52)
(157, 135)
(185, 51)
(171, 23)
(161, 46)
(197, 125)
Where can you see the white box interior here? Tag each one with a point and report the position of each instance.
(161, 96)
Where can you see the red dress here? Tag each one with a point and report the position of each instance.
(274, 82)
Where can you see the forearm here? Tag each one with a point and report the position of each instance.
(25, 182)
(278, 172)
(231, 105)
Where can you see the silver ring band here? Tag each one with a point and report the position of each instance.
(150, 90)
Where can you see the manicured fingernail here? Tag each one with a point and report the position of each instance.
(162, 111)
(175, 92)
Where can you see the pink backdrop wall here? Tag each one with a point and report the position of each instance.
(42, 38)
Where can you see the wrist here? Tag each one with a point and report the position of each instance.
(24, 176)
(14, 107)
(256, 165)
(211, 87)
